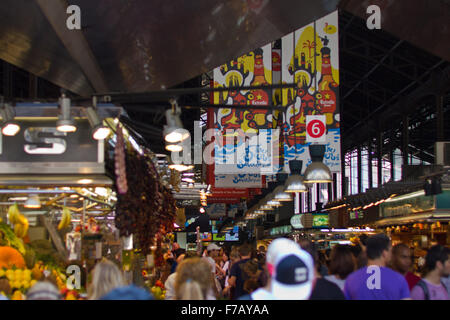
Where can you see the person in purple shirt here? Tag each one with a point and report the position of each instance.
(375, 281)
(431, 287)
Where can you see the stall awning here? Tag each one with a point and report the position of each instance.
(430, 216)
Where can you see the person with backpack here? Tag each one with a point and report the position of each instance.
(237, 274)
(437, 263)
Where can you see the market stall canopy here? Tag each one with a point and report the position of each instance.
(141, 45)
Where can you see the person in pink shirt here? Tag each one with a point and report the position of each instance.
(437, 263)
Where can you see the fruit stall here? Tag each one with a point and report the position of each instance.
(82, 221)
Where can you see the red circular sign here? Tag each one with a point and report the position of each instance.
(315, 129)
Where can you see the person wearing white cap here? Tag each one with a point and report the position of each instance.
(291, 273)
(212, 250)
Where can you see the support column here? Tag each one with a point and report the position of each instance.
(343, 185)
(380, 156)
(334, 188)
(391, 158)
(369, 167)
(359, 170)
(405, 139)
(309, 200)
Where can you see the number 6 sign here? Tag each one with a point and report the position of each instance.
(316, 128)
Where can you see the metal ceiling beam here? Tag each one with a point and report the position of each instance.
(74, 41)
(419, 92)
(374, 67)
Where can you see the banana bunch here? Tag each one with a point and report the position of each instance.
(19, 221)
(66, 219)
(21, 228)
(13, 214)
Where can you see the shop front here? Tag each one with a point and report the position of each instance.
(417, 220)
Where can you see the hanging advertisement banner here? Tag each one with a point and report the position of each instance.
(247, 144)
(310, 58)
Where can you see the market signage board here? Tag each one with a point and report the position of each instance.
(296, 221)
(320, 220)
(316, 129)
(280, 230)
(310, 58)
(238, 181)
(40, 149)
(220, 195)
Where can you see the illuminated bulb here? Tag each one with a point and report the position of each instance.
(101, 133)
(66, 128)
(85, 181)
(11, 129)
(174, 148)
(180, 167)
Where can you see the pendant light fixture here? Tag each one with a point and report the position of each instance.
(271, 202)
(32, 202)
(9, 126)
(317, 171)
(278, 192)
(295, 181)
(65, 122)
(174, 131)
(99, 131)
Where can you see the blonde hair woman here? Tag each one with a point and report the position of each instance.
(194, 280)
(106, 276)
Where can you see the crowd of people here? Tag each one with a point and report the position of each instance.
(372, 270)
(287, 270)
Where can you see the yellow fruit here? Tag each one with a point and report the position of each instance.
(71, 297)
(16, 284)
(2, 273)
(18, 230)
(27, 275)
(17, 296)
(25, 284)
(32, 282)
(66, 218)
(13, 214)
(25, 227)
(10, 275)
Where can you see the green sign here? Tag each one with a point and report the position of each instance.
(280, 230)
(356, 214)
(320, 220)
